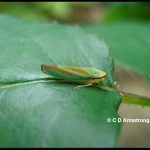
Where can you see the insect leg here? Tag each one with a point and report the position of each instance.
(83, 85)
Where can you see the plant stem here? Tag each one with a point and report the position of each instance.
(130, 98)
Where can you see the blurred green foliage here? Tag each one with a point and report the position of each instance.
(42, 10)
(128, 11)
(64, 11)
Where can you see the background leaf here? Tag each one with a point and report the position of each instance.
(53, 114)
(128, 42)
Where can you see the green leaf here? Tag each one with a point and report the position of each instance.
(128, 42)
(43, 113)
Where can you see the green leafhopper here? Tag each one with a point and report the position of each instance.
(81, 75)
